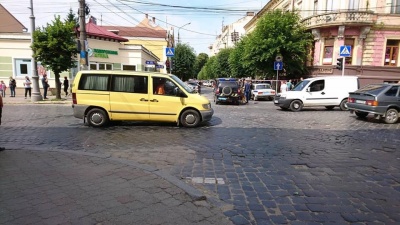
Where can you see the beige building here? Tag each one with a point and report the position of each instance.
(370, 28)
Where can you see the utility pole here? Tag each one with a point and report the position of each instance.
(82, 35)
(36, 96)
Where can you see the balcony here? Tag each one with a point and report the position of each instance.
(336, 18)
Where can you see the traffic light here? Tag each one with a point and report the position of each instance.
(339, 64)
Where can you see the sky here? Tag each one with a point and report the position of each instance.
(206, 17)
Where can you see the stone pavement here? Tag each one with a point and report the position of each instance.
(40, 186)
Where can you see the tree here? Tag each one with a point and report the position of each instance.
(222, 62)
(55, 47)
(236, 60)
(183, 61)
(201, 60)
(72, 18)
(209, 69)
(278, 33)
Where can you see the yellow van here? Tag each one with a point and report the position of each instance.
(102, 96)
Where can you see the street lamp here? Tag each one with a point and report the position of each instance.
(179, 41)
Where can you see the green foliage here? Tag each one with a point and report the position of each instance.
(278, 33)
(72, 18)
(184, 61)
(236, 60)
(209, 70)
(222, 63)
(201, 60)
(55, 47)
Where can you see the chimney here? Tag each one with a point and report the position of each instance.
(154, 20)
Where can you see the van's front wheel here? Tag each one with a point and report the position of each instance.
(190, 118)
(97, 118)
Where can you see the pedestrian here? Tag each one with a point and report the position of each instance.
(66, 86)
(247, 90)
(289, 85)
(283, 87)
(28, 88)
(3, 88)
(12, 84)
(1, 112)
(45, 84)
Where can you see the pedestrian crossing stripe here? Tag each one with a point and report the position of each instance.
(345, 51)
(170, 52)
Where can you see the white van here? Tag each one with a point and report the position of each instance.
(327, 91)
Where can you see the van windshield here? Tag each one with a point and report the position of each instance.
(182, 84)
(300, 86)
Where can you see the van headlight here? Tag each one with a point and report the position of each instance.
(207, 106)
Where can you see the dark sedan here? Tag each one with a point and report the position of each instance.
(381, 100)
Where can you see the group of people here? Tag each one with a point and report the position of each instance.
(12, 85)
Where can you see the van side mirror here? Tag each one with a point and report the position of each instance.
(308, 89)
(178, 92)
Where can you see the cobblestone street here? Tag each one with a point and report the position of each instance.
(255, 163)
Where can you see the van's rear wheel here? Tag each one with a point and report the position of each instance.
(190, 118)
(343, 105)
(97, 118)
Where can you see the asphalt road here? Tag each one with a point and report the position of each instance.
(255, 163)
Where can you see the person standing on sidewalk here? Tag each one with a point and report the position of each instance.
(3, 88)
(66, 85)
(1, 112)
(12, 84)
(28, 88)
(45, 84)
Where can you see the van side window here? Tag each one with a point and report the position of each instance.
(131, 84)
(392, 91)
(94, 82)
(163, 86)
(317, 85)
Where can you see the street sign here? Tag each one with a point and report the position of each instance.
(150, 63)
(278, 58)
(160, 66)
(170, 52)
(345, 51)
(278, 65)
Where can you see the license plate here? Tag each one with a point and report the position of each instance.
(222, 98)
(275, 101)
(360, 101)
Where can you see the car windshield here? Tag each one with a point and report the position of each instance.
(262, 86)
(182, 84)
(373, 89)
(300, 86)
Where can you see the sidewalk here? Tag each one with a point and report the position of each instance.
(20, 99)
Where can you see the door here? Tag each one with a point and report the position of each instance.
(316, 94)
(163, 102)
(129, 98)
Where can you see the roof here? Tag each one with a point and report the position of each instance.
(98, 31)
(137, 31)
(9, 24)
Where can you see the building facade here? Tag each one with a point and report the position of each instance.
(230, 34)
(369, 27)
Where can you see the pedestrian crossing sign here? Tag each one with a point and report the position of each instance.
(345, 51)
(169, 52)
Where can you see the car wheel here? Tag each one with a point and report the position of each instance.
(190, 118)
(392, 115)
(329, 107)
(361, 114)
(97, 117)
(343, 105)
(296, 105)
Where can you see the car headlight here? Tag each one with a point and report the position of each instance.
(207, 106)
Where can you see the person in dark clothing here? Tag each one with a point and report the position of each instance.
(247, 90)
(45, 84)
(66, 86)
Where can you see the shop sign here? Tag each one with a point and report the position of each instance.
(103, 53)
(325, 70)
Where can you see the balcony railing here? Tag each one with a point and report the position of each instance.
(340, 17)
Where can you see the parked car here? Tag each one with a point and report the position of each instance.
(262, 91)
(193, 85)
(227, 90)
(381, 100)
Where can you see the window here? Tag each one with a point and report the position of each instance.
(163, 86)
(131, 84)
(93, 66)
(395, 6)
(23, 67)
(392, 91)
(349, 42)
(354, 4)
(94, 82)
(391, 53)
(315, 7)
(328, 52)
(129, 67)
(317, 85)
(101, 66)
